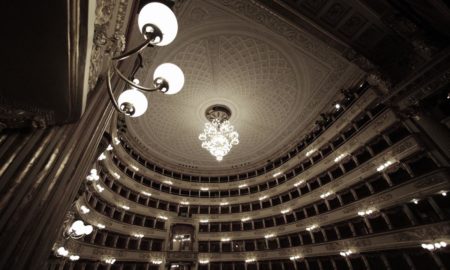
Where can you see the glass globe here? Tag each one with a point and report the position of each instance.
(163, 17)
(172, 74)
(77, 227)
(88, 229)
(136, 98)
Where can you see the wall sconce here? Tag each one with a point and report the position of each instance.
(78, 230)
(159, 26)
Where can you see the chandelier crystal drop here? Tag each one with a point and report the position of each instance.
(219, 135)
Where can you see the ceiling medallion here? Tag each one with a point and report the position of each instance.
(219, 136)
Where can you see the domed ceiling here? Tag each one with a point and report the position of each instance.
(274, 77)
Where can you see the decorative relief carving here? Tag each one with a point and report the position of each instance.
(104, 45)
(425, 233)
(17, 116)
(339, 245)
(431, 181)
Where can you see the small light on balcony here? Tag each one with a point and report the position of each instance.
(434, 246)
(101, 226)
(204, 220)
(370, 212)
(61, 251)
(109, 260)
(285, 211)
(74, 257)
(270, 235)
(243, 186)
(125, 207)
(99, 188)
(276, 174)
(93, 176)
(226, 239)
(263, 197)
(146, 193)
(337, 106)
(203, 261)
(157, 261)
(295, 257)
(340, 157)
(162, 217)
(346, 253)
(299, 183)
(168, 182)
(313, 228)
(138, 235)
(415, 201)
(245, 219)
(116, 140)
(310, 152)
(134, 168)
(84, 209)
(184, 203)
(385, 165)
(444, 193)
(223, 203)
(102, 157)
(250, 260)
(116, 175)
(204, 189)
(327, 195)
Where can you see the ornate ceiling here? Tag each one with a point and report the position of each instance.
(275, 78)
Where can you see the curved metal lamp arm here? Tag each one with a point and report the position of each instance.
(111, 94)
(140, 87)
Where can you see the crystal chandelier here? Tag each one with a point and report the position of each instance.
(219, 136)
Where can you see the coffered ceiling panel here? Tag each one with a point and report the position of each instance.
(273, 76)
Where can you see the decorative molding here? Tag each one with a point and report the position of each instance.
(19, 116)
(109, 38)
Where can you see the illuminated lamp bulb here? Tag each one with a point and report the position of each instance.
(134, 100)
(77, 227)
(161, 16)
(169, 78)
(88, 229)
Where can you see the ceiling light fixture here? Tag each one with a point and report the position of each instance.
(158, 24)
(219, 136)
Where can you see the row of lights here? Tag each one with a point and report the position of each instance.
(63, 252)
(340, 157)
(434, 246)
